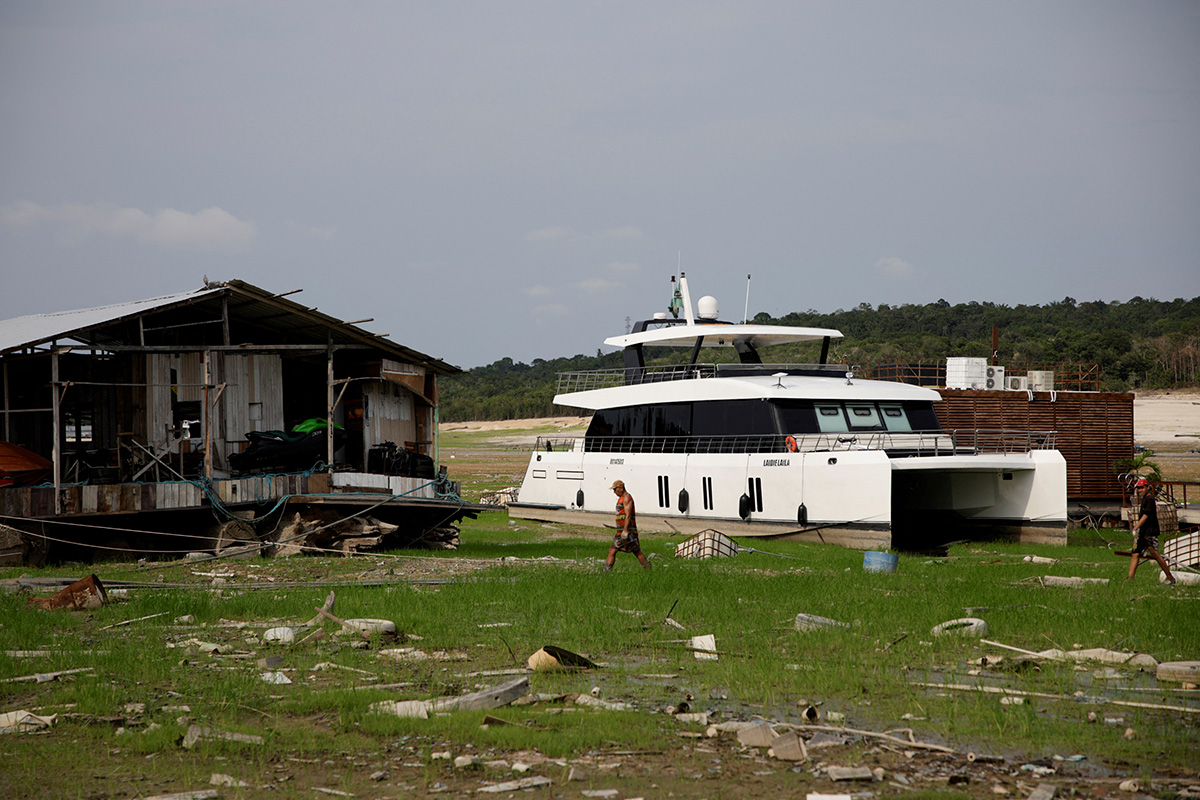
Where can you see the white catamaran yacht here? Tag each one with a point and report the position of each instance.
(803, 451)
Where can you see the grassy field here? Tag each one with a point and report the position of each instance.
(183, 645)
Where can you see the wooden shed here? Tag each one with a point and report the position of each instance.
(159, 404)
(1094, 429)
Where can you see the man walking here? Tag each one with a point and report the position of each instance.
(1146, 529)
(626, 540)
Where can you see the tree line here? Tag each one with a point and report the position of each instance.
(1142, 343)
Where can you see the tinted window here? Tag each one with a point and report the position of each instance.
(796, 416)
(732, 418)
(921, 416)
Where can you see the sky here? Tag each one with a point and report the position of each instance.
(516, 179)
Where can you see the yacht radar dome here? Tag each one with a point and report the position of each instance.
(707, 307)
(660, 315)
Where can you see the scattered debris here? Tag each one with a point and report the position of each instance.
(755, 734)
(1044, 791)
(517, 785)
(131, 621)
(704, 648)
(1039, 560)
(45, 677)
(556, 658)
(811, 622)
(369, 626)
(219, 779)
(415, 654)
(707, 544)
(1182, 671)
(849, 774)
(788, 747)
(494, 697)
(1072, 582)
(280, 636)
(966, 626)
(276, 678)
(24, 721)
(197, 733)
(501, 497)
(85, 594)
(1048, 696)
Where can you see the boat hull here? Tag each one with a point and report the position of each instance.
(855, 498)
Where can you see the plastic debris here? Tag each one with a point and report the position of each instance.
(757, 734)
(556, 658)
(811, 622)
(197, 733)
(704, 647)
(966, 626)
(280, 635)
(788, 747)
(707, 544)
(24, 721)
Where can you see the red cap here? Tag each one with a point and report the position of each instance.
(1141, 482)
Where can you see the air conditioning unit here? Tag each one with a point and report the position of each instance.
(994, 378)
(1041, 380)
(1017, 383)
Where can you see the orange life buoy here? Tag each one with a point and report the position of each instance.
(790, 441)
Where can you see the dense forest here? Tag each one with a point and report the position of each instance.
(1138, 344)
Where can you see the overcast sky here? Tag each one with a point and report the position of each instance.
(491, 179)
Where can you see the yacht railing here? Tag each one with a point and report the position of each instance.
(895, 444)
(628, 376)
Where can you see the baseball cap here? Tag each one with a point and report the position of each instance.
(1141, 482)
(618, 485)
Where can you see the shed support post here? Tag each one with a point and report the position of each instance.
(207, 354)
(329, 407)
(4, 368)
(55, 411)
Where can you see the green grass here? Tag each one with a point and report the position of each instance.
(509, 602)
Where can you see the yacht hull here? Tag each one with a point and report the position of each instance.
(855, 498)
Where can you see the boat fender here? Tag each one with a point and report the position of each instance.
(744, 506)
(683, 501)
(579, 499)
(802, 515)
(790, 441)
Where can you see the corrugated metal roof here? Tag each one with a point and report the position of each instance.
(104, 326)
(35, 329)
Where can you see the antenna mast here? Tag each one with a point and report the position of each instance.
(746, 313)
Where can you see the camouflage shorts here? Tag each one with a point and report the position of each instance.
(629, 544)
(1146, 541)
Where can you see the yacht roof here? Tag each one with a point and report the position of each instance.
(722, 334)
(765, 387)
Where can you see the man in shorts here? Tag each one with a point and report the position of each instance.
(626, 540)
(1146, 529)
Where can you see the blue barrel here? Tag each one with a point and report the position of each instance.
(875, 561)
